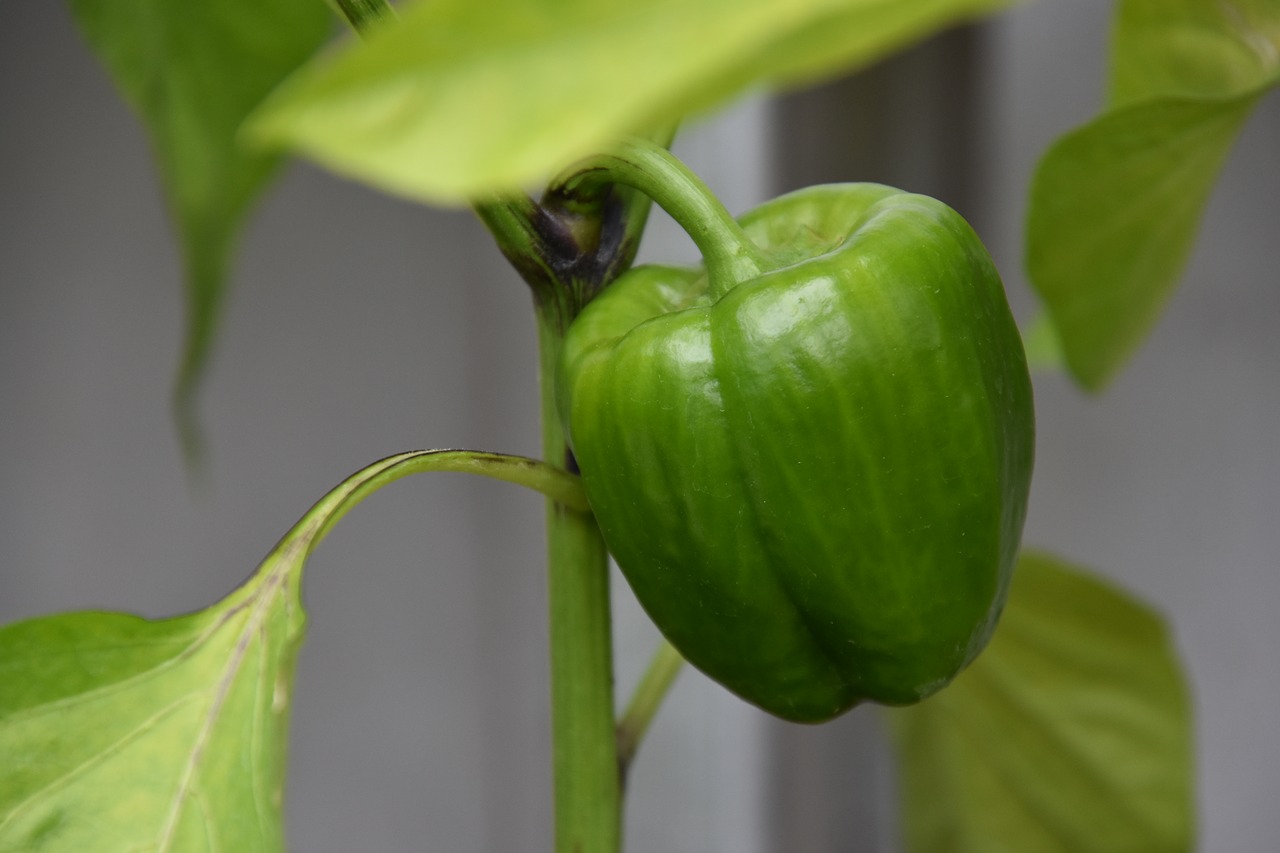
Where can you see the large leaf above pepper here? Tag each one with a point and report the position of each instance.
(1069, 734)
(193, 71)
(1115, 204)
(461, 99)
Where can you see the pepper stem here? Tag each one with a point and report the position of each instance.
(729, 254)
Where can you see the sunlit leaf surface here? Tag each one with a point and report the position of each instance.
(462, 99)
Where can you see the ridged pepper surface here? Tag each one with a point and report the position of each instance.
(814, 479)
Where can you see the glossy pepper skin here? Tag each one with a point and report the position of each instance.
(816, 482)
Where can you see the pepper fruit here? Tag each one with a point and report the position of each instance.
(812, 463)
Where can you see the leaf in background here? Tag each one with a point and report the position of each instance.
(462, 99)
(193, 71)
(1193, 48)
(1115, 205)
(1114, 211)
(123, 733)
(1040, 341)
(1070, 733)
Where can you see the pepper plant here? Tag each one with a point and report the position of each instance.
(810, 455)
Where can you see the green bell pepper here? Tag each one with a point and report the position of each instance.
(811, 463)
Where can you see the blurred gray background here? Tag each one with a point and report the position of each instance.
(360, 325)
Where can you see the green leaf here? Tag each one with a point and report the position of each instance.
(462, 99)
(1115, 204)
(1114, 210)
(1070, 733)
(1193, 48)
(1043, 349)
(193, 71)
(123, 733)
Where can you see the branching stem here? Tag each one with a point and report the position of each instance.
(645, 701)
(730, 255)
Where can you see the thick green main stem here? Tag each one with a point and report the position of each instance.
(588, 803)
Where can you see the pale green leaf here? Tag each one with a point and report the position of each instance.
(463, 99)
(1193, 48)
(1042, 346)
(1069, 734)
(193, 71)
(1115, 205)
(123, 733)
(1114, 210)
